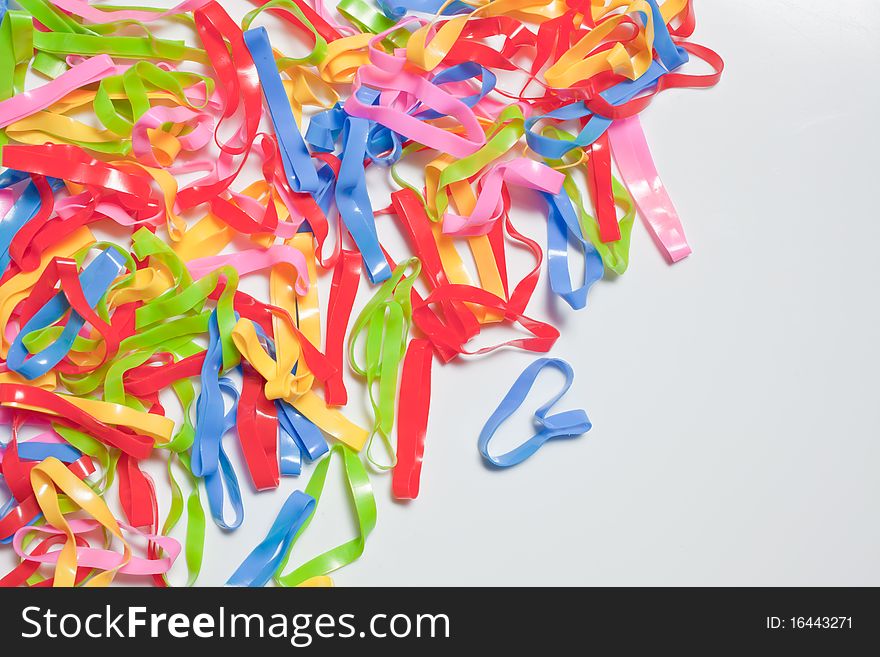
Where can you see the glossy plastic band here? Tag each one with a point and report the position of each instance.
(568, 424)
(637, 168)
(301, 173)
(259, 566)
(412, 423)
(361, 495)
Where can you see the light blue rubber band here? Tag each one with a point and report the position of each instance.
(258, 567)
(298, 165)
(568, 424)
(562, 227)
(94, 280)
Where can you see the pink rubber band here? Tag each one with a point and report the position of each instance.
(27, 103)
(636, 166)
(202, 125)
(68, 206)
(387, 73)
(100, 558)
(252, 260)
(490, 206)
(419, 90)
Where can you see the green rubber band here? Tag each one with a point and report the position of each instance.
(364, 503)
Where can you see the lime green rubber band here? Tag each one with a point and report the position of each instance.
(364, 503)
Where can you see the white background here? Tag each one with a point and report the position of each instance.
(733, 395)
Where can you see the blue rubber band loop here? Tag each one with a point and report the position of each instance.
(359, 140)
(325, 128)
(224, 476)
(384, 146)
(209, 423)
(209, 459)
(353, 200)
(568, 424)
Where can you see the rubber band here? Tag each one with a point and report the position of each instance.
(92, 558)
(415, 399)
(89, 71)
(301, 173)
(568, 424)
(638, 171)
(361, 495)
(354, 202)
(384, 322)
(257, 424)
(93, 284)
(45, 477)
(259, 566)
(343, 289)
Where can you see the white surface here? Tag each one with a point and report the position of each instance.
(733, 395)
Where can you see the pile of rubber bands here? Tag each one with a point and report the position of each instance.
(108, 126)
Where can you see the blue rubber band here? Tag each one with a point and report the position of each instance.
(12, 176)
(384, 146)
(259, 566)
(568, 424)
(555, 149)
(563, 226)
(325, 194)
(306, 434)
(39, 451)
(301, 174)
(209, 406)
(224, 477)
(290, 458)
(360, 139)
(209, 459)
(94, 279)
(397, 9)
(325, 127)
(671, 55)
(354, 203)
(26, 207)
